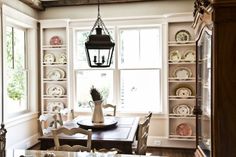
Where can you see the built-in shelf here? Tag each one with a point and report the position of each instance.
(48, 30)
(176, 61)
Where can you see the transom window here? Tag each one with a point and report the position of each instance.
(134, 83)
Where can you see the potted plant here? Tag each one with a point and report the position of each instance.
(96, 105)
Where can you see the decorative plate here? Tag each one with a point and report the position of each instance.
(62, 58)
(182, 73)
(182, 109)
(182, 36)
(174, 56)
(189, 55)
(56, 74)
(55, 106)
(49, 58)
(55, 90)
(55, 40)
(184, 129)
(183, 92)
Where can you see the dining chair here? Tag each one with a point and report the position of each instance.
(107, 111)
(48, 122)
(72, 132)
(143, 129)
(108, 151)
(66, 115)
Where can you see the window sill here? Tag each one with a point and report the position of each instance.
(20, 119)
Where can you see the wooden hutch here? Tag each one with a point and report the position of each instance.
(215, 28)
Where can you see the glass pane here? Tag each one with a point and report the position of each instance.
(129, 48)
(140, 48)
(204, 92)
(102, 80)
(137, 96)
(80, 58)
(16, 82)
(150, 55)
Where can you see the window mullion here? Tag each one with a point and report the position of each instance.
(13, 47)
(139, 37)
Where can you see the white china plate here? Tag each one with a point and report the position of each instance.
(183, 92)
(184, 129)
(55, 106)
(174, 56)
(55, 90)
(182, 109)
(49, 58)
(56, 74)
(182, 36)
(62, 58)
(182, 73)
(189, 56)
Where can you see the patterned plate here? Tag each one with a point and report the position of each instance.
(174, 56)
(183, 92)
(49, 58)
(184, 129)
(182, 109)
(62, 58)
(182, 73)
(189, 56)
(55, 90)
(55, 40)
(55, 106)
(182, 36)
(56, 74)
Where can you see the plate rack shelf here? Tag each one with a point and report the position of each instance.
(54, 66)
(181, 81)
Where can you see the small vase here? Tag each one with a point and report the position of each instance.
(98, 116)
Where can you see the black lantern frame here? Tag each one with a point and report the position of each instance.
(99, 47)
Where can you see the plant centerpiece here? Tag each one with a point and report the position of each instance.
(97, 103)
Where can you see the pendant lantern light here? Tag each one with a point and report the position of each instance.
(100, 46)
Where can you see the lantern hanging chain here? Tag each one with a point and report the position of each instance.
(99, 9)
(99, 22)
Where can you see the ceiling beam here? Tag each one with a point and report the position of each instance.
(36, 4)
(60, 3)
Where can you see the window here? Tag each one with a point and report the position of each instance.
(134, 84)
(15, 63)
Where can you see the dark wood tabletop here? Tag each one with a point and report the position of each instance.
(120, 136)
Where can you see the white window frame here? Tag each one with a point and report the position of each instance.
(20, 19)
(112, 23)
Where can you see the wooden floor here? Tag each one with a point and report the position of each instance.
(152, 151)
(170, 152)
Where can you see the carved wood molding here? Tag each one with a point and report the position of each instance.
(200, 6)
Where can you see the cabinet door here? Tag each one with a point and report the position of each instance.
(204, 51)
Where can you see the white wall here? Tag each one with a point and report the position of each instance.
(158, 135)
(22, 131)
(18, 5)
